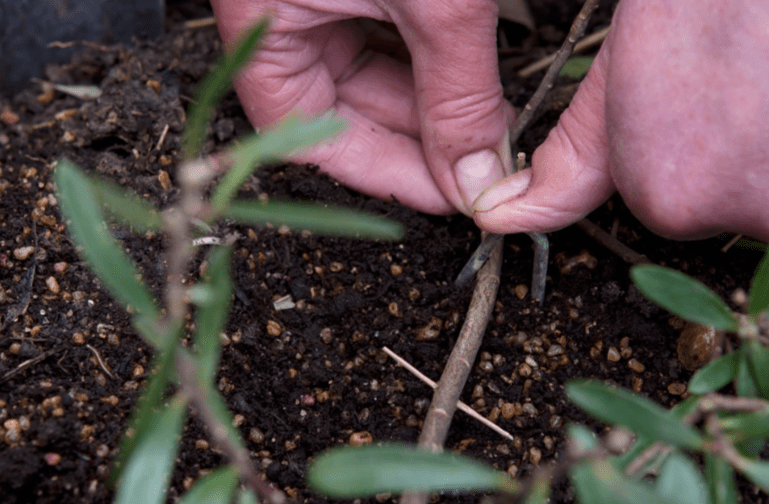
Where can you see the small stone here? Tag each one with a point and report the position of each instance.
(554, 350)
(112, 400)
(238, 420)
(636, 366)
(512, 470)
(612, 354)
(396, 269)
(273, 328)
(23, 253)
(676, 388)
(520, 291)
(201, 444)
(52, 459)
(15, 348)
(524, 370)
(137, 371)
(256, 435)
(164, 179)
(430, 331)
(695, 345)
(154, 85)
(52, 285)
(535, 455)
(335, 267)
(361, 438)
(394, 309)
(508, 411)
(636, 383)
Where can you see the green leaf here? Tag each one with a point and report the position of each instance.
(716, 374)
(316, 218)
(288, 136)
(151, 400)
(759, 288)
(216, 487)
(756, 471)
(576, 67)
(722, 486)
(681, 480)
(113, 267)
(148, 472)
(746, 425)
(582, 437)
(211, 317)
(745, 385)
(124, 207)
(618, 406)
(347, 472)
(247, 496)
(214, 86)
(683, 296)
(599, 483)
(540, 491)
(758, 363)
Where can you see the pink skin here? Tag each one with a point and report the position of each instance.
(672, 115)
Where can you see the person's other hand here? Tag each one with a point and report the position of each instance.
(673, 114)
(432, 132)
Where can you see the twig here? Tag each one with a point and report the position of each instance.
(460, 405)
(626, 253)
(27, 363)
(584, 44)
(446, 396)
(99, 360)
(731, 242)
(193, 24)
(238, 457)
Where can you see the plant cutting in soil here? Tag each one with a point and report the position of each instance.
(302, 362)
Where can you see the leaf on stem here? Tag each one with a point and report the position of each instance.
(758, 363)
(215, 85)
(212, 315)
(147, 473)
(291, 134)
(681, 480)
(315, 217)
(759, 288)
(722, 486)
(716, 374)
(125, 208)
(110, 263)
(683, 296)
(622, 407)
(216, 487)
(348, 472)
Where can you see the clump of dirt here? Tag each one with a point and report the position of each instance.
(313, 376)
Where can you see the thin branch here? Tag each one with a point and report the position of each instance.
(586, 43)
(460, 405)
(607, 240)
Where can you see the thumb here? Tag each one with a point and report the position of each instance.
(569, 176)
(463, 115)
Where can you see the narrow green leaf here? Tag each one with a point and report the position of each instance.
(582, 437)
(758, 363)
(125, 208)
(759, 288)
(722, 486)
(151, 400)
(148, 471)
(347, 472)
(618, 406)
(216, 487)
(290, 135)
(211, 317)
(599, 483)
(247, 496)
(756, 471)
(106, 257)
(745, 385)
(316, 218)
(744, 426)
(680, 480)
(683, 296)
(215, 85)
(716, 374)
(540, 492)
(576, 67)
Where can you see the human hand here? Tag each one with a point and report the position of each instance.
(433, 134)
(672, 114)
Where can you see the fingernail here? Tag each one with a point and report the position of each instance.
(476, 172)
(504, 191)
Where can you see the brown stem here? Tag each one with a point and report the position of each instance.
(626, 253)
(239, 458)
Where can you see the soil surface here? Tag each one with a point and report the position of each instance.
(313, 376)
